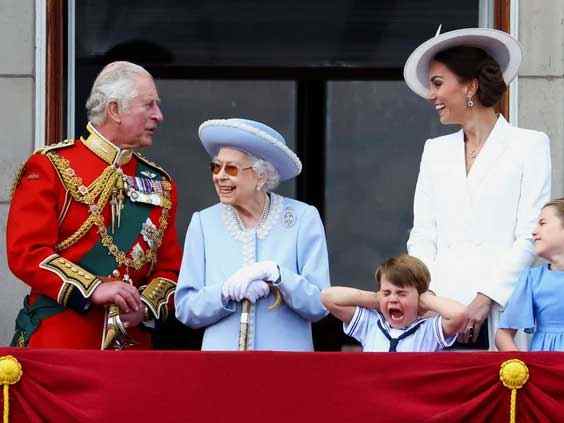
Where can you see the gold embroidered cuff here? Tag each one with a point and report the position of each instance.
(156, 295)
(71, 274)
(65, 293)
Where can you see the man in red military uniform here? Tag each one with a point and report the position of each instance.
(91, 227)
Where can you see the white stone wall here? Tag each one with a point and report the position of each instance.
(541, 77)
(17, 42)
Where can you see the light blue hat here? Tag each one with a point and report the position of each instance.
(251, 137)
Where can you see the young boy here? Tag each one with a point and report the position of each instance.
(388, 319)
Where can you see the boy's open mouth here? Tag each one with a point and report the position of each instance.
(395, 313)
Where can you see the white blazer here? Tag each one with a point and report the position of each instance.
(474, 231)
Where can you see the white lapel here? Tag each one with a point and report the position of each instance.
(459, 194)
(455, 177)
(457, 155)
(495, 145)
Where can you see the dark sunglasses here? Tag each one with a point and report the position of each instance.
(230, 169)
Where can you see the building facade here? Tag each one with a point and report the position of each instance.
(329, 112)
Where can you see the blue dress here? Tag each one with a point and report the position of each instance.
(216, 246)
(538, 304)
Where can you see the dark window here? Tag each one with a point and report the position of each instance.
(243, 33)
(375, 136)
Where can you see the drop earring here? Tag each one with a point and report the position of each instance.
(469, 103)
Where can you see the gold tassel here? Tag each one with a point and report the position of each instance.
(120, 197)
(114, 207)
(10, 373)
(513, 374)
(277, 298)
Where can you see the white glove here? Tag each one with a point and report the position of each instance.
(266, 270)
(235, 286)
(255, 290)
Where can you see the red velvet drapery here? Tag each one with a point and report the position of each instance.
(158, 386)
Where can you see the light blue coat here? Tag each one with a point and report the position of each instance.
(216, 247)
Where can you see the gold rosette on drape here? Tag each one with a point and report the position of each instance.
(10, 373)
(513, 374)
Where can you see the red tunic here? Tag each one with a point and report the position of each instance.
(43, 213)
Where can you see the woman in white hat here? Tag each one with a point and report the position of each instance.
(255, 263)
(480, 189)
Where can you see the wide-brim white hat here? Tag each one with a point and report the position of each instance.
(501, 46)
(252, 137)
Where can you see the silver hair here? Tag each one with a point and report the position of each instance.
(116, 82)
(265, 169)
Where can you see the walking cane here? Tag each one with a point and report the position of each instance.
(245, 319)
(244, 326)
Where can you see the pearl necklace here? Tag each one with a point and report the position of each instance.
(263, 215)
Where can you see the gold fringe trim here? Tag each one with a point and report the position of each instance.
(16, 180)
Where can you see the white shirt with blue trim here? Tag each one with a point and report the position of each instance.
(428, 337)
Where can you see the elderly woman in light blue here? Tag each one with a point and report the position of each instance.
(255, 263)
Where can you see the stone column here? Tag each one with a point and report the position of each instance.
(17, 42)
(541, 77)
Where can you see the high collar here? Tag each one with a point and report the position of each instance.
(105, 149)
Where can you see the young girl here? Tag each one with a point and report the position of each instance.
(538, 299)
(389, 319)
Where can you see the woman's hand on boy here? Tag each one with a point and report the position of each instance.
(476, 313)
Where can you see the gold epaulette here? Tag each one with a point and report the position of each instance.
(47, 148)
(41, 150)
(152, 164)
(156, 295)
(16, 179)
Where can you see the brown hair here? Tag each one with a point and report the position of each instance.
(558, 204)
(470, 63)
(404, 270)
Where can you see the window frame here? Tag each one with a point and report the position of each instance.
(57, 57)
